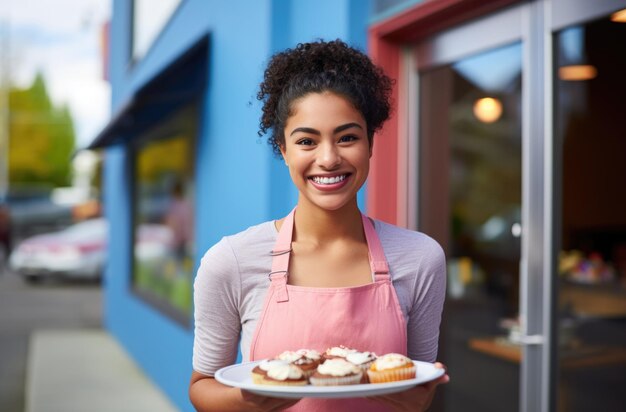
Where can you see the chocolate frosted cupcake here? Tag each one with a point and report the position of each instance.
(336, 372)
(284, 375)
(337, 352)
(391, 367)
(260, 371)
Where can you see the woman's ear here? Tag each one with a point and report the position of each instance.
(371, 147)
(283, 153)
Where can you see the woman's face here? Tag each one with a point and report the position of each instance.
(327, 150)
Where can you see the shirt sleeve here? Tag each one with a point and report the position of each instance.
(217, 293)
(425, 313)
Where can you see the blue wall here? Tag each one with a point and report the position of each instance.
(238, 180)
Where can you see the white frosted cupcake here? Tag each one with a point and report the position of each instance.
(336, 372)
(308, 361)
(310, 354)
(260, 371)
(284, 375)
(336, 352)
(363, 360)
(305, 359)
(391, 367)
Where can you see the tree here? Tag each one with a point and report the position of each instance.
(41, 137)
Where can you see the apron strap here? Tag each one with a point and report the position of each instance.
(280, 258)
(282, 251)
(282, 247)
(378, 262)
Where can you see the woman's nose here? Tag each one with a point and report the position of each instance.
(328, 156)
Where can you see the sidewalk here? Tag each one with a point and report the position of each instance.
(86, 370)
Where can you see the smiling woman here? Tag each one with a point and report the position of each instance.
(328, 278)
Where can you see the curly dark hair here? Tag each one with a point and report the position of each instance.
(319, 67)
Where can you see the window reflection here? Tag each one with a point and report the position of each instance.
(164, 216)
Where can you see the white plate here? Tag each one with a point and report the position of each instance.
(240, 376)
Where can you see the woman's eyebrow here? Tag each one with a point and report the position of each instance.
(307, 130)
(346, 126)
(338, 129)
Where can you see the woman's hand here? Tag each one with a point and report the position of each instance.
(417, 399)
(266, 404)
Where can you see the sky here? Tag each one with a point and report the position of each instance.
(61, 39)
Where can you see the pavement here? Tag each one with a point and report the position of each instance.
(86, 370)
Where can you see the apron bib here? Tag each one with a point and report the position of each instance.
(367, 317)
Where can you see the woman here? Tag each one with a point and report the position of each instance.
(330, 269)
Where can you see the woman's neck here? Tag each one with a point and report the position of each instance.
(320, 226)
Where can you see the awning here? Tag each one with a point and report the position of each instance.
(183, 81)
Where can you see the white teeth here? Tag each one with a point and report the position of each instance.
(328, 180)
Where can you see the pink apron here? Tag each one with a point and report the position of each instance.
(365, 317)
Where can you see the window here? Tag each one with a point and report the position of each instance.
(149, 19)
(164, 219)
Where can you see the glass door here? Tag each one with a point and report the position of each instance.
(470, 198)
(590, 212)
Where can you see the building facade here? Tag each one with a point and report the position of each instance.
(183, 163)
(505, 146)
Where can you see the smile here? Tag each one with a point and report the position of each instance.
(328, 180)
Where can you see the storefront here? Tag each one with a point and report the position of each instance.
(508, 148)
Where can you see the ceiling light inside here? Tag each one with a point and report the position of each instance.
(619, 16)
(578, 72)
(487, 109)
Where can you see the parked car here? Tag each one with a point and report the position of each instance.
(33, 212)
(79, 251)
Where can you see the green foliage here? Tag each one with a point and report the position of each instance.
(41, 137)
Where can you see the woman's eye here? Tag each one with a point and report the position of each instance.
(305, 142)
(348, 138)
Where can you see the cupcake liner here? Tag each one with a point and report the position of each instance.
(336, 380)
(392, 375)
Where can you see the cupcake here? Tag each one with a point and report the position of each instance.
(337, 352)
(390, 368)
(289, 356)
(260, 371)
(284, 374)
(336, 372)
(308, 361)
(305, 359)
(363, 360)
